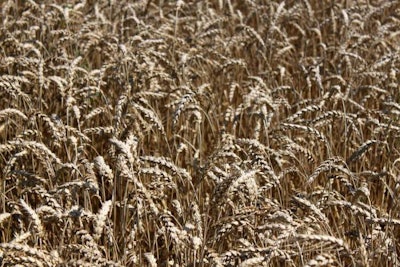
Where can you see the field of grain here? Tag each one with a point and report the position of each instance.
(200, 133)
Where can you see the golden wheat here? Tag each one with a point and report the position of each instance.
(199, 133)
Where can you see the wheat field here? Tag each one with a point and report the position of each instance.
(200, 133)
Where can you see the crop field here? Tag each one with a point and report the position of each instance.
(199, 133)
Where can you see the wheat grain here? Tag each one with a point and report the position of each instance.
(101, 219)
(35, 218)
(150, 259)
